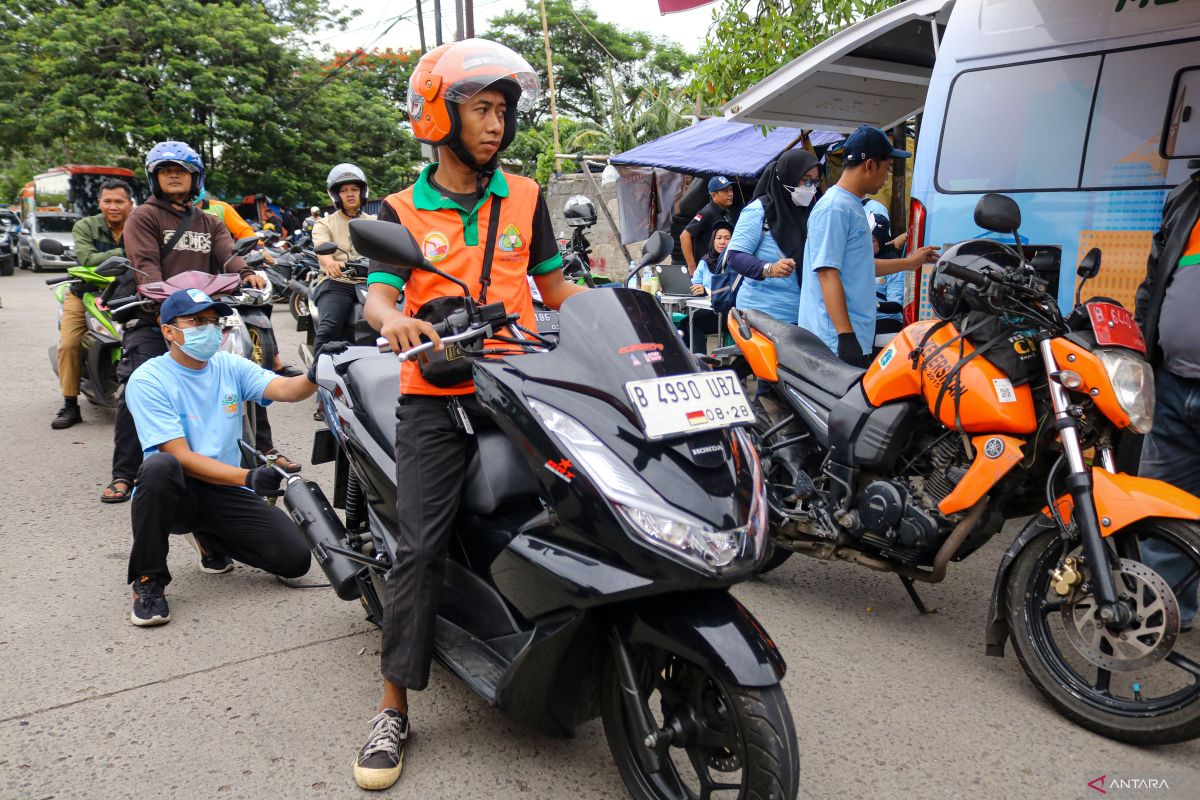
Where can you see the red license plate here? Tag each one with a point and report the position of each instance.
(1114, 327)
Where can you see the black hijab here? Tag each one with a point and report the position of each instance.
(712, 256)
(787, 221)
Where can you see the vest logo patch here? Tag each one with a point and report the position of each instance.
(511, 239)
(435, 246)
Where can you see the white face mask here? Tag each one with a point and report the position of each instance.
(803, 195)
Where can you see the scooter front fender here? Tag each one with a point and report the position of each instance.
(712, 630)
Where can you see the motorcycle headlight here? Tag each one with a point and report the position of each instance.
(1132, 380)
(641, 506)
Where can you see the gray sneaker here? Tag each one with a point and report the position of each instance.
(379, 762)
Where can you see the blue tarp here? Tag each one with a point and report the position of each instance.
(718, 146)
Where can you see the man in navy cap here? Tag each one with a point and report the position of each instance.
(696, 237)
(838, 305)
(187, 405)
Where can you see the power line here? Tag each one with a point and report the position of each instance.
(358, 51)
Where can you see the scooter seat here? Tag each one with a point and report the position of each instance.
(804, 354)
(376, 381)
(496, 474)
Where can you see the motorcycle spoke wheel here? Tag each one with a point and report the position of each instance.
(1140, 685)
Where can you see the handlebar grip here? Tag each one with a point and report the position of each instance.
(57, 279)
(965, 275)
(117, 302)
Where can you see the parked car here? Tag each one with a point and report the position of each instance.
(46, 225)
(9, 223)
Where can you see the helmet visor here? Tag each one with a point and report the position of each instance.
(473, 65)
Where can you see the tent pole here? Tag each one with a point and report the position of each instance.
(587, 170)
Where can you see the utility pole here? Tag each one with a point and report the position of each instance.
(421, 27)
(437, 21)
(470, 9)
(458, 20)
(550, 82)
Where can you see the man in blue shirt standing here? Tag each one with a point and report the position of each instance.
(187, 405)
(839, 304)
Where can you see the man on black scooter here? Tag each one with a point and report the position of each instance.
(463, 99)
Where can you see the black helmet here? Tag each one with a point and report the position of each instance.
(579, 212)
(948, 295)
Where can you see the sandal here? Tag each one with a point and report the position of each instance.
(113, 493)
(283, 462)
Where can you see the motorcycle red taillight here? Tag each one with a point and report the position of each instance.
(916, 238)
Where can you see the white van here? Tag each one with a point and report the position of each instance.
(1086, 112)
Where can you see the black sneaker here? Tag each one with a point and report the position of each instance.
(67, 416)
(379, 762)
(211, 561)
(149, 605)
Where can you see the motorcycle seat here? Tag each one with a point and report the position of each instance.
(376, 381)
(496, 474)
(804, 354)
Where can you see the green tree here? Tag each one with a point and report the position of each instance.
(582, 62)
(750, 39)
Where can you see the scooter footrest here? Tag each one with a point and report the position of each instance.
(469, 658)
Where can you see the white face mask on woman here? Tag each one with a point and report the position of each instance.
(802, 195)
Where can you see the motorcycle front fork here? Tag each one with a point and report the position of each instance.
(1112, 611)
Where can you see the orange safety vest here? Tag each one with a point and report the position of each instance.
(441, 235)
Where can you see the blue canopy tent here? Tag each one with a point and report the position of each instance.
(651, 176)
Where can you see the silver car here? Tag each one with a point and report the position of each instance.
(46, 225)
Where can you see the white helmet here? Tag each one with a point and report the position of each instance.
(344, 173)
(315, 210)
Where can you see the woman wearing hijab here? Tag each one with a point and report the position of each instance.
(768, 241)
(704, 321)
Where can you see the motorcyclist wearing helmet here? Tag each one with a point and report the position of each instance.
(314, 214)
(175, 175)
(463, 99)
(334, 293)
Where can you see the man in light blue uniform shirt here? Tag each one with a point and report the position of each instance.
(837, 295)
(187, 405)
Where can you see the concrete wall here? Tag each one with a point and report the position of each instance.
(607, 258)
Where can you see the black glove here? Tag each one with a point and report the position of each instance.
(329, 348)
(849, 351)
(264, 481)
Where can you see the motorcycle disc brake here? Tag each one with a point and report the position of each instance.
(1148, 639)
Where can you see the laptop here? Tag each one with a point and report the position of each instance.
(673, 279)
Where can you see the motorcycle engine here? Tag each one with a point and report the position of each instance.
(887, 508)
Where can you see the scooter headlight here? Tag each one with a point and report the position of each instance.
(642, 507)
(1132, 380)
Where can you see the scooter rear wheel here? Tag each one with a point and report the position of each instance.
(729, 741)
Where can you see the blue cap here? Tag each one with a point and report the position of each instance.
(186, 302)
(717, 183)
(868, 142)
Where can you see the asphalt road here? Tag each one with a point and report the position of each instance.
(258, 690)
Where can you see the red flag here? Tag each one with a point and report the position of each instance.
(671, 6)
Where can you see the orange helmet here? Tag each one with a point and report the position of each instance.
(454, 73)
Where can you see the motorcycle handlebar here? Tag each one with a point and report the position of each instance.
(405, 355)
(57, 279)
(966, 275)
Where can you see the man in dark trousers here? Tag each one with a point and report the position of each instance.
(164, 237)
(1166, 310)
(696, 236)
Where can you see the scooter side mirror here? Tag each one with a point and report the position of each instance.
(392, 243)
(325, 249)
(246, 244)
(1089, 267)
(997, 213)
(656, 248)
(52, 247)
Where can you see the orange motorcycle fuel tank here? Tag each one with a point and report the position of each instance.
(975, 398)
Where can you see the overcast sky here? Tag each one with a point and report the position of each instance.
(687, 27)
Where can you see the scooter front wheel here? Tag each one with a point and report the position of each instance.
(1139, 685)
(724, 740)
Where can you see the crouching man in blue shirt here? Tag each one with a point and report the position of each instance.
(837, 295)
(187, 405)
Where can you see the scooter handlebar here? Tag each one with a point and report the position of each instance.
(474, 332)
(57, 279)
(966, 275)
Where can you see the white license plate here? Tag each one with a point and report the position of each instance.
(689, 403)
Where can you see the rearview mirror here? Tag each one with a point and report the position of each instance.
(388, 242)
(997, 213)
(52, 247)
(1089, 267)
(656, 248)
(326, 249)
(245, 244)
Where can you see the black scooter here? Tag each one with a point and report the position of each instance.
(590, 569)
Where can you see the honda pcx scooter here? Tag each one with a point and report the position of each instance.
(590, 567)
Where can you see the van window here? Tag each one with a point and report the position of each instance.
(1017, 128)
(1131, 105)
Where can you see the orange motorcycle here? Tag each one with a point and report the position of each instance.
(999, 409)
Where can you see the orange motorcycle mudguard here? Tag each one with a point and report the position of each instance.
(758, 349)
(994, 457)
(980, 397)
(1122, 500)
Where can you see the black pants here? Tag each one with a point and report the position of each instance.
(335, 303)
(235, 521)
(431, 457)
(704, 322)
(138, 346)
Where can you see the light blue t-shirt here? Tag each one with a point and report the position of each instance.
(779, 297)
(702, 276)
(838, 238)
(169, 401)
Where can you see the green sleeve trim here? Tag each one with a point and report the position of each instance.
(395, 281)
(549, 265)
(1190, 260)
